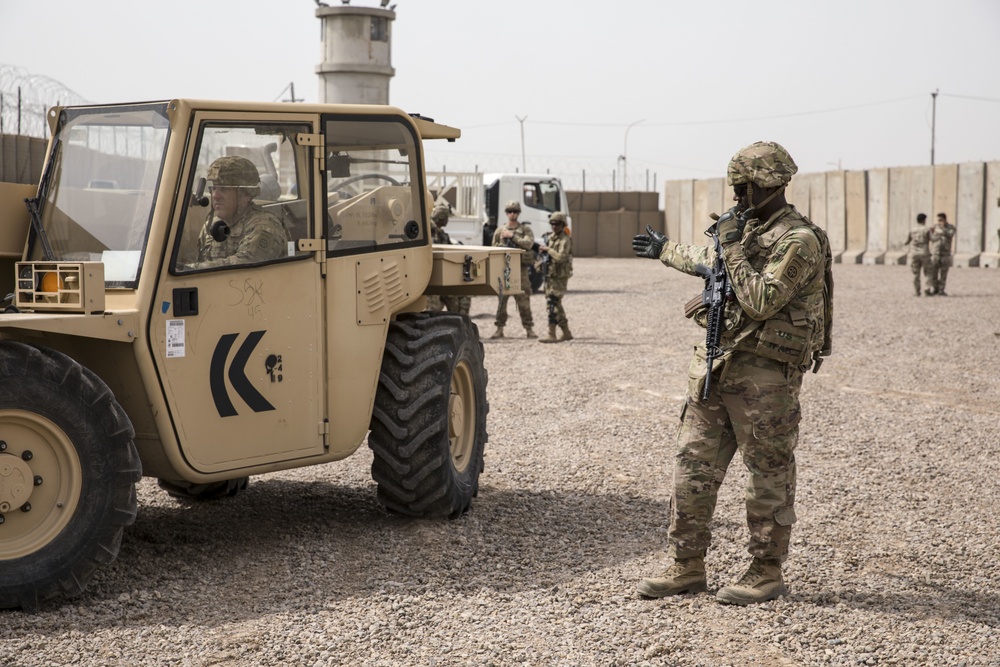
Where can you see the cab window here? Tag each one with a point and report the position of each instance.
(543, 195)
(374, 190)
(247, 201)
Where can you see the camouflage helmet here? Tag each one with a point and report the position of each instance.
(558, 217)
(233, 172)
(440, 213)
(764, 163)
(512, 205)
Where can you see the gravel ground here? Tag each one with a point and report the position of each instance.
(894, 558)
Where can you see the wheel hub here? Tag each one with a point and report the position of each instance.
(16, 482)
(456, 417)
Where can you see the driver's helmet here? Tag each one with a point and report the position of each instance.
(512, 205)
(233, 171)
(764, 163)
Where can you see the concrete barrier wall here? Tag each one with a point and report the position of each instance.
(856, 212)
(836, 213)
(945, 192)
(877, 216)
(868, 214)
(817, 199)
(991, 239)
(969, 217)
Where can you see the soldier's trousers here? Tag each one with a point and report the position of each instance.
(938, 272)
(753, 408)
(920, 263)
(454, 304)
(457, 304)
(523, 301)
(555, 289)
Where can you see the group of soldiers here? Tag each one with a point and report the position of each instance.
(930, 252)
(554, 256)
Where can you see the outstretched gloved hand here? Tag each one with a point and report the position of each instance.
(648, 245)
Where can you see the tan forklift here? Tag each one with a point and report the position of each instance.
(204, 291)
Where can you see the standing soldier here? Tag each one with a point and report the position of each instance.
(940, 238)
(919, 255)
(454, 303)
(776, 322)
(559, 247)
(516, 235)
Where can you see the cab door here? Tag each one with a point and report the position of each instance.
(237, 331)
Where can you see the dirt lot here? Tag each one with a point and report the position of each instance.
(894, 557)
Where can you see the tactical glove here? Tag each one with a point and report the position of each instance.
(648, 245)
(729, 227)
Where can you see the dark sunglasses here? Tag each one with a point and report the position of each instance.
(740, 190)
(511, 210)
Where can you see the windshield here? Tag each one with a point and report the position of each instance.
(97, 190)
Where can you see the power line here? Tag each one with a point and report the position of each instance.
(970, 97)
(680, 123)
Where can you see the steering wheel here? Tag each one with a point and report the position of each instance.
(361, 177)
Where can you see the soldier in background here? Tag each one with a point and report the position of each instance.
(248, 233)
(919, 255)
(939, 241)
(516, 235)
(559, 248)
(776, 322)
(454, 303)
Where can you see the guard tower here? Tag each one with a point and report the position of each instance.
(357, 54)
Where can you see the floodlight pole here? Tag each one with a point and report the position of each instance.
(933, 121)
(521, 120)
(625, 156)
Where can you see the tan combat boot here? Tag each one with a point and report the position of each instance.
(686, 575)
(529, 333)
(761, 582)
(552, 336)
(498, 333)
(565, 329)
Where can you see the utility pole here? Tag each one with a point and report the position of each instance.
(290, 87)
(933, 121)
(524, 169)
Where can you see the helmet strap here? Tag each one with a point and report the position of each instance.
(752, 209)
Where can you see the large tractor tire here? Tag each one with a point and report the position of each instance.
(68, 470)
(428, 428)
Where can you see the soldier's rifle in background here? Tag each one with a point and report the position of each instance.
(542, 258)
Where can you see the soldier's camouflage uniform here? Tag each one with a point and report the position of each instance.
(919, 254)
(255, 236)
(560, 270)
(941, 259)
(524, 239)
(779, 272)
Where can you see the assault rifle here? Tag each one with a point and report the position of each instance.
(717, 291)
(542, 259)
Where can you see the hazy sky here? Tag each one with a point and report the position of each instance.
(845, 82)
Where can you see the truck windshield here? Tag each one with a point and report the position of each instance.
(97, 190)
